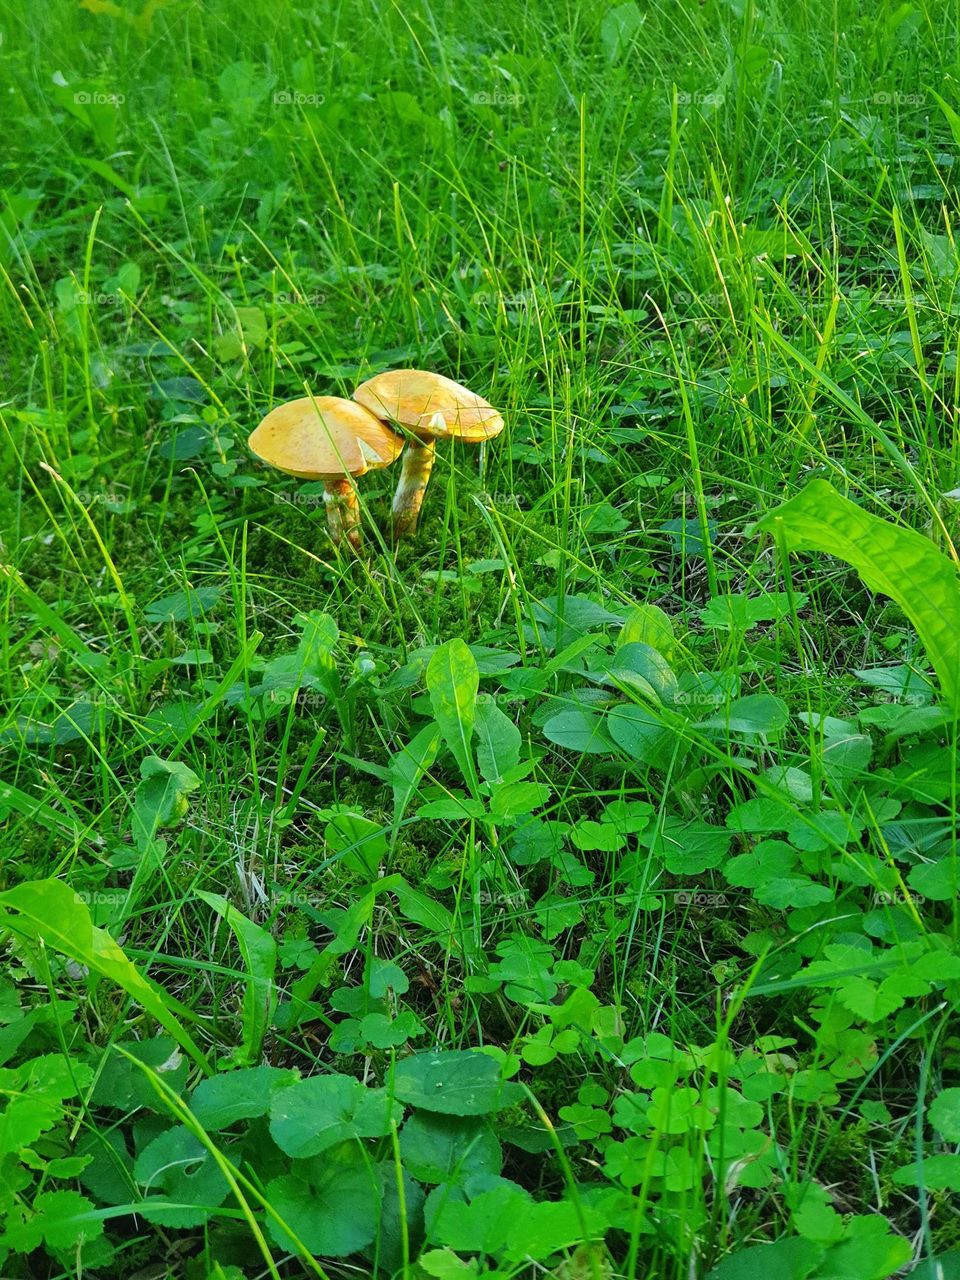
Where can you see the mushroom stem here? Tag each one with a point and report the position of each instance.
(343, 511)
(414, 473)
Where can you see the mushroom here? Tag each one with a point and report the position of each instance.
(330, 439)
(429, 407)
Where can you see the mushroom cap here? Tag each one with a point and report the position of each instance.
(429, 405)
(324, 438)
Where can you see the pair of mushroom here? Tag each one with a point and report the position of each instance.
(336, 441)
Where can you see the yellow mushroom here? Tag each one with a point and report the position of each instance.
(429, 407)
(329, 439)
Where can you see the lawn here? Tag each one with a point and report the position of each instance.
(567, 888)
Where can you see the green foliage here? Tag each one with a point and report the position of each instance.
(259, 951)
(48, 913)
(571, 889)
(309, 1117)
(896, 560)
(161, 799)
(453, 682)
(454, 1083)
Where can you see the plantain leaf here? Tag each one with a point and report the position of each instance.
(892, 559)
(50, 913)
(953, 119)
(498, 741)
(259, 951)
(452, 682)
(648, 624)
(407, 767)
(360, 842)
(161, 798)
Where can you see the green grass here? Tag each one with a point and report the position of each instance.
(697, 256)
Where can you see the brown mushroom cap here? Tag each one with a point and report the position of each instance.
(429, 405)
(324, 438)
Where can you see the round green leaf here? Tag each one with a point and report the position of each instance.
(443, 1148)
(331, 1204)
(458, 1082)
(578, 730)
(944, 1114)
(315, 1114)
(936, 1173)
(757, 713)
(179, 1165)
(229, 1096)
(642, 735)
(767, 860)
(934, 880)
